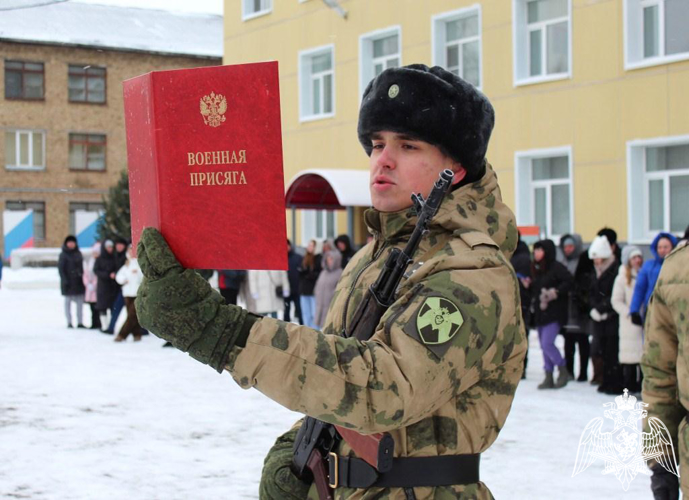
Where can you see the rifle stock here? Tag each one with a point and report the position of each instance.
(376, 449)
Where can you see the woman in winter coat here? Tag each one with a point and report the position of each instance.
(70, 265)
(550, 284)
(605, 319)
(661, 247)
(105, 268)
(631, 335)
(309, 270)
(91, 284)
(325, 285)
(576, 329)
(129, 277)
(268, 289)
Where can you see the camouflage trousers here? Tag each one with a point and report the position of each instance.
(277, 480)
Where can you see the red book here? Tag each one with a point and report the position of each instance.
(204, 151)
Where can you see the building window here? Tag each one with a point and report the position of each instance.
(25, 149)
(379, 51)
(24, 80)
(87, 152)
(86, 84)
(317, 225)
(542, 45)
(255, 8)
(655, 32)
(457, 43)
(38, 208)
(658, 187)
(316, 83)
(96, 208)
(544, 190)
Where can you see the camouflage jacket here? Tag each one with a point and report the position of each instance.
(665, 361)
(438, 392)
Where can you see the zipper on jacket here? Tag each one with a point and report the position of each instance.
(356, 278)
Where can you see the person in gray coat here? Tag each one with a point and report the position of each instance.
(326, 284)
(577, 327)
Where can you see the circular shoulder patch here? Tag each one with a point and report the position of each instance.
(393, 91)
(438, 320)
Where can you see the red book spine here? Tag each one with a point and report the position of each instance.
(144, 188)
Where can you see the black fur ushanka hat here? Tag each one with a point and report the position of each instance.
(432, 104)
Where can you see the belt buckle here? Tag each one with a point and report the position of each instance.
(333, 464)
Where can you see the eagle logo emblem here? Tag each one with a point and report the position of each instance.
(213, 107)
(438, 320)
(625, 450)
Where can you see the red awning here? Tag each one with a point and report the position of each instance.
(329, 190)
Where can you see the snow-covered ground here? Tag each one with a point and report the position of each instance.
(82, 417)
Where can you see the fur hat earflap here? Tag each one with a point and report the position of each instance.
(600, 248)
(433, 105)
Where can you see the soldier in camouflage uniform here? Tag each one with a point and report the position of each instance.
(440, 371)
(665, 365)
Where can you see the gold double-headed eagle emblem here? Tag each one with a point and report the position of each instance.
(213, 107)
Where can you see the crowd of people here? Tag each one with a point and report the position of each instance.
(107, 280)
(596, 298)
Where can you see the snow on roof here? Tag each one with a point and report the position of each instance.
(115, 28)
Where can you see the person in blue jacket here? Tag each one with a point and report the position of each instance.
(648, 275)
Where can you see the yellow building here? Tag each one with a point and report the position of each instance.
(591, 101)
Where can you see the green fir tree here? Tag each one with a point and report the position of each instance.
(116, 221)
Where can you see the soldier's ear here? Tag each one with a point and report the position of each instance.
(460, 173)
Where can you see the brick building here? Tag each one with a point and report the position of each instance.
(62, 112)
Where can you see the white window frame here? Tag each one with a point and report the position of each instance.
(438, 34)
(366, 60)
(306, 224)
(634, 36)
(30, 133)
(638, 214)
(246, 15)
(520, 46)
(305, 77)
(525, 187)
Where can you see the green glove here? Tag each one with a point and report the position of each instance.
(179, 306)
(278, 482)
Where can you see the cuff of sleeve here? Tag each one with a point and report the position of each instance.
(235, 335)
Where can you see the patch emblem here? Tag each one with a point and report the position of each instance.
(393, 91)
(438, 320)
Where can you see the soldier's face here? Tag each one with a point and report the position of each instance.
(402, 165)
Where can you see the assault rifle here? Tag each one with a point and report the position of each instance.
(316, 439)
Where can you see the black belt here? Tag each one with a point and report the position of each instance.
(406, 472)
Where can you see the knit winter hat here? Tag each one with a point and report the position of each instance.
(630, 251)
(610, 234)
(600, 248)
(108, 243)
(433, 105)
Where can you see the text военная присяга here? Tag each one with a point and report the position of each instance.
(217, 178)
